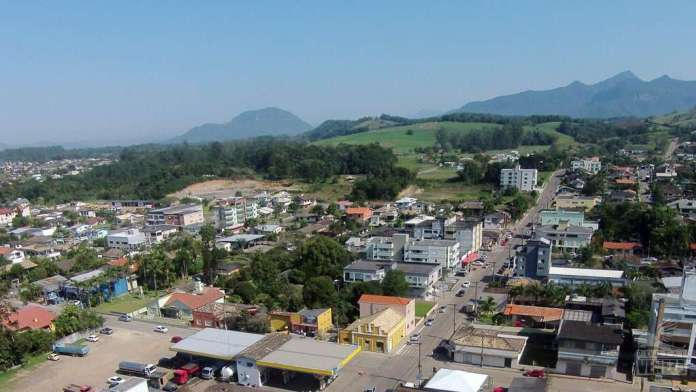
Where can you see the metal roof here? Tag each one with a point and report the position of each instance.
(310, 356)
(216, 343)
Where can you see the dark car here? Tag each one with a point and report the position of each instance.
(170, 387)
(176, 339)
(106, 331)
(538, 373)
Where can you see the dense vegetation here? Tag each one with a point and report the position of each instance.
(593, 131)
(507, 136)
(52, 153)
(154, 173)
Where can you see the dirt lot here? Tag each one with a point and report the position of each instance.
(226, 188)
(136, 343)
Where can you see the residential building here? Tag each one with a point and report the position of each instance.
(491, 346)
(406, 307)
(29, 318)
(127, 240)
(51, 287)
(622, 195)
(605, 311)
(6, 216)
(233, 213)
(622, 249)
(524, 180)
(362, 214)
(268, 229)
(533, 260)
(420, 276)
(309, 322)
(570, 217)
(468, 232)
(590, 165)
(380, 332)
(405, 203)
(585, 203)
(11, 254)
(400, 247)
(588, 350)
(684, 206)
(188, 217)
(565, 237)
(533, 316)
(215, 314)
(578, 276)
(159, 233)
(498, 220)
(181, 305)
(384, 215)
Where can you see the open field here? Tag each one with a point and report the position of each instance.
(227, 188)
(125, 304)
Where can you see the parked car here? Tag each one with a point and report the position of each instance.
(170, 387)
(125, 317)
(78, 388)
(92, 338)
(429, 322)
(461, 292)
(466, 284)
(106, 331)
(115, 380)
(53, 357)
(443, 309)
(208, 373)
(415, 338)
(538, 373)
(161, 329)
(176, 339)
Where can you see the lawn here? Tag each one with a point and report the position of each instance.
(31, 362)
(125, 304)
(423, 307)
(441, 190)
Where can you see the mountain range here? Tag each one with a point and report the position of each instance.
(623, 95)
(263, 122)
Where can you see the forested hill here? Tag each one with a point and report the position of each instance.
(153, 173)
(52, 153)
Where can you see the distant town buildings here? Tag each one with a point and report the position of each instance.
(590, 165)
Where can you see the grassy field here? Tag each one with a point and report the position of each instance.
(31, 362)
(125, 304)
(423, 307)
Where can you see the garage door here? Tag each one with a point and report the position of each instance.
(573, 368)
(493, 361)
(597, 371)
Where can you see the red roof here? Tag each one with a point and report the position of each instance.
(383, 300)
(608, 245)
(29, 317)
(543, 313)
(120, 262)
(194, 301)
(362, 211)
(5, 250)
(6, 211)
(692, 246)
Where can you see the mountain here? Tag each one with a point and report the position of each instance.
(268, 121)
(623, 95)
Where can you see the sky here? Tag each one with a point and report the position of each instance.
(131, 71)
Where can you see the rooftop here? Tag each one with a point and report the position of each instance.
(543, 313)
(182, 209)
(586, 272)
(216, 343)
(621, 245)
(578, 330)
(385, 320)
(488, 338)
(448, 380)
(29, 317)
(310, 356)
(384, 300)
(265, 346)
(194, 301)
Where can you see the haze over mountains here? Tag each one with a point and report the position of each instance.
(269, 121)
(622, 95)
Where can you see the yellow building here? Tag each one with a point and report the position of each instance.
(310, 322)
(380, 332)
(575, 202)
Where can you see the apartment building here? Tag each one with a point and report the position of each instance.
(524, 180)
(571, 217)
(130, 239)
(566, 237)
(533, 260)
(590, 165)
(188, 217)
(420, 276)
(468, 232)
(400, 247)
(233, 213)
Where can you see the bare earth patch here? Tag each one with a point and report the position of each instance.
(410, 191)
(227, 188)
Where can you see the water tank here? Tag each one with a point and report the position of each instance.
(226, 373)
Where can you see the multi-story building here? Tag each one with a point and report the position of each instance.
(233, 213)
(6, 216)
(575, 277)
(570, 217)
(310, 322)
(379, 332)
(533, 260)
(400, 247)
(588, 350)
(370, 304)
(576, 202)
(468, 232)
(188, 217)
(591, 165)
(523, 179)
(420, 276)
(566, 237)
(159, 233)
(130, 239)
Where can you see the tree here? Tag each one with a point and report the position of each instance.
(246, 290)
(394, 283)
(470, 172)
(487, 306)
(30, 293)
(322, 256)
(319, 292)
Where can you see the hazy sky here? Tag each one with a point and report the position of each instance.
(127, 70)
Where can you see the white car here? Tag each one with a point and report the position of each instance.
(429, 323)
(466, 284)
(415, 338)
(92, 338)
(161, 329)
(115, 380)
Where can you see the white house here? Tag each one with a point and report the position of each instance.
(130, 239)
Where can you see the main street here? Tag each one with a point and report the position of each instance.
(385, 371)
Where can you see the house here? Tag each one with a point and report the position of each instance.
(51, 287)
(578, 276)
(420, 276)
(622, 195)
(559, 216)
(605, 311)
(590, 165)
(361, 214)
(666, 170)
(158, 233)
(585, 203)
(524, 180)
(228, 269)
(471, 207)
(380, 332)
(671, 192)
(588, 350)
(214, 314)
(309, 322)
(181, 305)
(6, 216)
(344, 204)
(29, 318)
(498, 220)
(405, 203)
(566, 237)
(355, 245)
(238, 241)
(126, 240)
(268, 229)
(488, 345)
(370, 304)
(41, 246)
(533, 259)
(12, 255)
(188, 217)
(533, 316)
(684, 206)
(622, 249)
(384, 215)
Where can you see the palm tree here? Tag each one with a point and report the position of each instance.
(487, 306)
(533, 290)
(516, 291)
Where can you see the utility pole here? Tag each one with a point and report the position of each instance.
(420, 368)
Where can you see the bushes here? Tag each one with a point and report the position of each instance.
(15, 347)
(74, 319)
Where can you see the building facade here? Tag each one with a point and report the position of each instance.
(533, 260)
(524, 180)
(590, 165)
(188, 217)
(126, 240)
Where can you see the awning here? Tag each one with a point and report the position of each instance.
(468, 258)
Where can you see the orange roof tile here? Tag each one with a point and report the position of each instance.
(545, 314)
(608, 245)
(384, 299)
(120, 262)
(5, 250)
(358, 211)
(692, 246)
(194, 301)
(29, 317)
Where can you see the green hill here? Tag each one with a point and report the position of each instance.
(677, 119)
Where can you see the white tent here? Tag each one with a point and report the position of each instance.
(448, 380)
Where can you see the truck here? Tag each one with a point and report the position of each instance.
(159, 379)
(71, 349)
(137, 369)
(186, 372)
(77, 388)
(131, 385)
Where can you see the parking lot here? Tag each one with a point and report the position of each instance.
(134, 341)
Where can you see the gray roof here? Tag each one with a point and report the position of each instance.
(417, 268)
(433, 242)
(87, 275)
(128, 385)
(363, 265)
(52, 283)
(311, 354)
(241, 238)
(567, 229)
(216, 343)
(183, 209)
(313, 313)
(154, 228)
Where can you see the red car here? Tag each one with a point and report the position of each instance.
(538, 373)
(176, 339)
